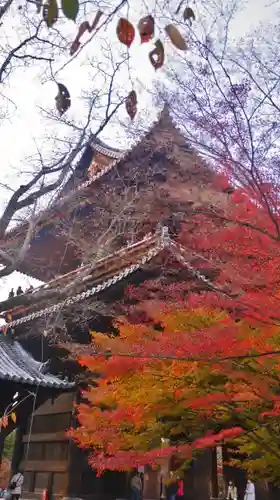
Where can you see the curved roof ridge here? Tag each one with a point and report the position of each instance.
(123, 154)
(100, 146)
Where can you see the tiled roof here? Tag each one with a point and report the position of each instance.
(109, 271)
(103, 275)
(87, 274)
(72, 198)
(106, 150)
(117, 157)
(17, 365)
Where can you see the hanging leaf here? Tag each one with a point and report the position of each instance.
(179, 7)
(70, 9)
(85, 26)
(156, 55)
(50, 13)
(175, 37)
(96, 20)
(74, 47)
(13, 417)
(76, 44)
(188, 15)
(63, 100)
(146, 28)
(131, 104)
(125, 32)
(5, 421)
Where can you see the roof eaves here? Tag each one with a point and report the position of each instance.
(160, 243)
(163, 241)
(17, 365)
(102, 148)
(85, 271)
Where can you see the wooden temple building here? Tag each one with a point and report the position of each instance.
(116, 222)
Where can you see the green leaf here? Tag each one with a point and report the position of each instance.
(70, 8)
(50, 13)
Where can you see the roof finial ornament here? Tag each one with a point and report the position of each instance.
(165, 120)
(166, 107)
(165, 113)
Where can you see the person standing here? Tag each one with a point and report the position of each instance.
(232, 491)
(250, 491)
(15, 486)
(172, 489)
(136, 487)
(180, 491)
(141, 475)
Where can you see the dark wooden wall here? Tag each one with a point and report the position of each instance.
(45, 448)
(49, 460)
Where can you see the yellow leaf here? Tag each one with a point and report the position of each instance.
(176, 37)
(13, 417)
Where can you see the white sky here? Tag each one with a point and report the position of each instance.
(25, 129)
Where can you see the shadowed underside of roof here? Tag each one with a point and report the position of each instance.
(18, 366)
(89, 281)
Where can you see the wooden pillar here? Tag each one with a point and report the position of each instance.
(218, 483)
(77, 461)
(201, 471)
(220, 472)
(214, 477)
(151, 486)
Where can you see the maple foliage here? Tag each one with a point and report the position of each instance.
(242, 243)
(196, 366)
(138, 400)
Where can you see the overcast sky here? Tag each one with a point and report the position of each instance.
(25, 130)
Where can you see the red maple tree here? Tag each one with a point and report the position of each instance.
(241, 243)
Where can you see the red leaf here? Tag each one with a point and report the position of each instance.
(156, 55)
(125, 32)
(5, 421)
(146, 28)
